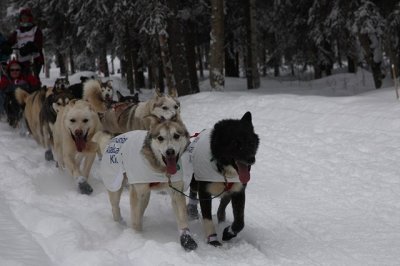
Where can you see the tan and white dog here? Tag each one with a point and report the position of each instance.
(148, 160)
(74, 129)
(141, 115)
(98, 94)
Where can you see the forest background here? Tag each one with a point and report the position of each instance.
(169, 43)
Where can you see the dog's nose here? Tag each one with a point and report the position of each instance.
(78, 132)
(251, 160)
(170, 152)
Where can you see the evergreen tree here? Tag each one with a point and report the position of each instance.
(370, 27)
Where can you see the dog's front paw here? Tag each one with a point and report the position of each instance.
(213, 240)
(228, 234)
(85, 188)
(193, 213)
(187, 242)
(48, 155)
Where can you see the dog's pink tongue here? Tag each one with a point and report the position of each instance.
(171, 165)
(80, 143)
(244, 173)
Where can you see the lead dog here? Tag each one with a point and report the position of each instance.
(148, 160)
(221, 160)
(74, 129)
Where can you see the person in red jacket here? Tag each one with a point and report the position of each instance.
(28, 39)
(12, 79)
(16, 78)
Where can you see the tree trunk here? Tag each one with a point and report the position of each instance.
(200, 61)
(103, 61)
(167, 65)
(112, 63)
(128, 60)
(317, 71)
(161, 75)
(137, 68)
(231, 66)
(47, 66)
(252, 74)
(178, 52)
(191, 58)
(369, 56)
(61, 63)
(217, 78)
(71, 60)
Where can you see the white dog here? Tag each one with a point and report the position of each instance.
(147, 161)
(74, 129)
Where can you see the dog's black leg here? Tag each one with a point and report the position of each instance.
(193, 213)
(238, 203)
(48, 155)
(206, 207)
(187, 242)
(85, 188)
(222, 206)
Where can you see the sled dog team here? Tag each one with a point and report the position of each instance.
(145, 146)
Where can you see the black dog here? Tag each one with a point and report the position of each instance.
(221, 160)
(128, 99)
(12, 108)
(77, 88)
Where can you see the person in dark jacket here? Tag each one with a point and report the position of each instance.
(5, 49)
(28, 39)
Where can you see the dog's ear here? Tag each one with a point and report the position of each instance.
(151, 121)
(72, 102)
(158, 92)
(173, 93)
(246, 118)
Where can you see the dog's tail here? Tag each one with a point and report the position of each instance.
(21, 96)
(92, 94)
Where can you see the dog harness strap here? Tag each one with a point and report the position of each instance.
(195, 135)
(228, 186)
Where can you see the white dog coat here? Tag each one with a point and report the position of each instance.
(200, 157)
(123, 155)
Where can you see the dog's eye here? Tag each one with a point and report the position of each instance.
(165, 108)
(176, 107)
(72, 120)
(176, 136)
(85, 120)
(160, 139)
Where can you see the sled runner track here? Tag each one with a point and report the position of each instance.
(17, 246)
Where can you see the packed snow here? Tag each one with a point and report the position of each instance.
(325, 189)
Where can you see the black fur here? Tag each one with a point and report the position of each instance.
(130, 99)
(12, 108)
(77, 89)
(231, 140)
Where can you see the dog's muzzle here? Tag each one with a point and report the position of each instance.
(80, 139)
(171, 159)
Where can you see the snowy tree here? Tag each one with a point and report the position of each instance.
(252, 74)
(392, 37)
(217, 78)
(370, 27)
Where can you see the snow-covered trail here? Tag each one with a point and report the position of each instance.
(325, 191)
